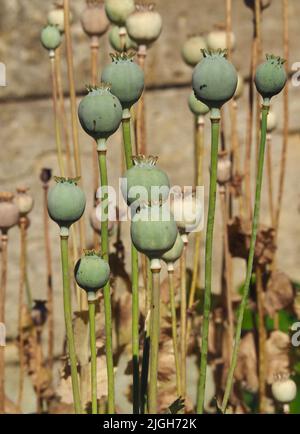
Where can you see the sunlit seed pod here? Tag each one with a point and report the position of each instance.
(116, 41)
(93, 19)
(118, 10)
(172, 255)
(126, 79)
(284, 390)
(144, 25)
(188, 212)
(197, 107)
(191, 50)
(66, 202)
(24, 201)
(100, 112)
(224, 168)
(270, 77)
(153, 231)
(217, 39)
(214, 79)
(145, 182)
(9, 212)
(50, 37)
(56, 17)
(91, 272)
(240, 87)
(271, 122)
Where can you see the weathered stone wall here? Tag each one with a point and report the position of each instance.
(27, 141)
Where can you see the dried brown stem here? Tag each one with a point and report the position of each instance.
(270, 179)
(4, 240)
(141, 146)
(23, 234)
(183, 315)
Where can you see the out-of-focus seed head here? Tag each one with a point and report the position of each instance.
(271, 122)
(118, 10)
(191, 50)
(217, 39)
(145, 24)
(284, 389)
(51, 37)
(45, 175)
(197, 107)
(24, 200)
(117, 43)
(94, 20)
(9, 212)
(175, 252)
(56, 17)
(224, 168)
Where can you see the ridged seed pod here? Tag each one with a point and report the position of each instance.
(24, 201)
(66, 202)
(214, 79)
(270, 77)
(91, 272)
(153, 231)
(126, 79)
(100, 112)
(146, 183)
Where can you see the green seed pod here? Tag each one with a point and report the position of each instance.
(217, 39)
(94, 20)
(118, 10)
(50, 37)
(9, 212)
(100, 112)
(153, 231)
(284, 390)
(145, 182)
(126, 79)
(197, 107)
(214, 79)
(66, 203)
(270, 77)
(172, 255)
(116, 43)
(188, 212)
(191, 50)
(91, 272)
(144, 25)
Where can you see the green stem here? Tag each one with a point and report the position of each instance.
(229, 382)
(92, 306)
(183, 340)
(135, 278)
(215, 131)
(68, 321)
(106, 290)
(154, 342)
(174, 330)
